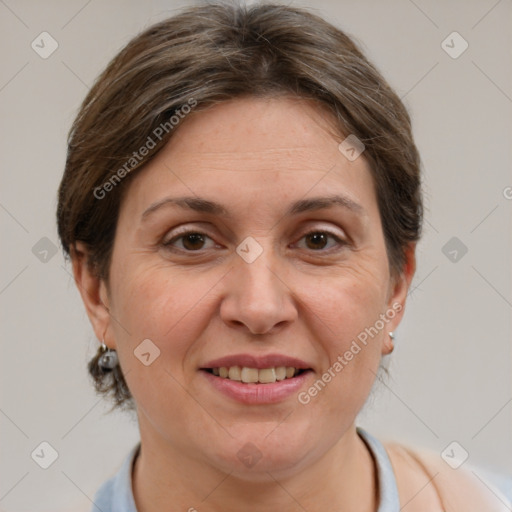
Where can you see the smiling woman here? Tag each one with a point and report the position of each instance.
(246, 275)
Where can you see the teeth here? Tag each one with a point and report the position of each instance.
(249, 375)
(235, 373)
(267, 375)
(253, 375)
(281, 373)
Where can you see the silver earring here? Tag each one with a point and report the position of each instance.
(391, 335)
(108, 359)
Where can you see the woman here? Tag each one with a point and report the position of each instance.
(241, 203)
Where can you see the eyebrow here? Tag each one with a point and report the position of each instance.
(320, 203)
(304, 205)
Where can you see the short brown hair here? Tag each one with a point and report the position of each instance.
(213, 53)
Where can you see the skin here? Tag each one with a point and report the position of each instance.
(301, 297)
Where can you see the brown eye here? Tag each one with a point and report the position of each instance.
(319, 240)
(316, 240)
(190, 241)
(193, 241)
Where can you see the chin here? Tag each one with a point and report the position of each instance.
(254, 454)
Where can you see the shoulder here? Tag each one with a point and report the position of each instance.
(103, 497)
(426, 482)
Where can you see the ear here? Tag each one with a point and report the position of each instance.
(93, 291)
(397, 295)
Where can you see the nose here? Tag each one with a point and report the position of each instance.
(258, 299)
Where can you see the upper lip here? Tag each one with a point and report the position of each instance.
(259, 362)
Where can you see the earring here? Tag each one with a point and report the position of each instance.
(391, 340)
(108, 360)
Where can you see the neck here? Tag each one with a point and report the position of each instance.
(344, 478)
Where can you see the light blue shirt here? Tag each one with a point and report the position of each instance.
(116, 495)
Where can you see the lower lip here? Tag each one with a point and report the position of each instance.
(258, 393)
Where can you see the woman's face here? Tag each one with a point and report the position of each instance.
(258, 268)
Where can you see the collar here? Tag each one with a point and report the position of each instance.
(116, 494)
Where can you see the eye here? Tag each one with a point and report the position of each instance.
(318, 240)
(191, 241)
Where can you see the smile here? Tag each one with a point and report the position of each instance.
(257, 378)
(249, 375)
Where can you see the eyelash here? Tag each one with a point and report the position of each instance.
(168, 244)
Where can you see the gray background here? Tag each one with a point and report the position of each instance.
(450, 373)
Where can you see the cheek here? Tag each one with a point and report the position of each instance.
(171, 310)
(346, 302)
(348, 330)
(158, 304)
(171, 307)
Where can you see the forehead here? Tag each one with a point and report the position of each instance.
(254, 121)
(252, 149)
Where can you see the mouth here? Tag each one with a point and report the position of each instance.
(248, 375)
(255, 380)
